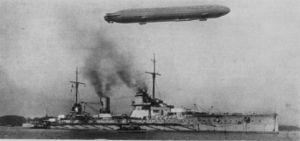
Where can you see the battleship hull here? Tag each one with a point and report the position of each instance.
(263, 123)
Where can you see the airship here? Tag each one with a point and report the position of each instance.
(165, 14)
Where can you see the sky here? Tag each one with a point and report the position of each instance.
(246, 61)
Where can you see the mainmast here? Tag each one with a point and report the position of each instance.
(154, 73)
(77, 83)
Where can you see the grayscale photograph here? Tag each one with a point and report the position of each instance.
(150, 69)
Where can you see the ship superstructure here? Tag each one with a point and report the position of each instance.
(179, 119)
(153, 110)
(153, 114)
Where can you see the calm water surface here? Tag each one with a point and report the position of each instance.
(23, 133)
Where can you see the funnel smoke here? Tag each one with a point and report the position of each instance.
(108, 67)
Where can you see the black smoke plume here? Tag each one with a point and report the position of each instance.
(108, 67)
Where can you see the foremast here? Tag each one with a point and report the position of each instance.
(154, 74)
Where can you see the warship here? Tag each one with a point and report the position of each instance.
(153, 114)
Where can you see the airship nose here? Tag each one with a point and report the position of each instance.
(221, 10)
(225, 10)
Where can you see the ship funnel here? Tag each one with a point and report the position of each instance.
(105, 105)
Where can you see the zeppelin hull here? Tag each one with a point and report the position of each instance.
(167, 14)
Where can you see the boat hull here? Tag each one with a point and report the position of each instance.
(211, 123)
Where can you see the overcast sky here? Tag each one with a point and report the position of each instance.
(246, 61)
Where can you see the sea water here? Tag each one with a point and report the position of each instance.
(26, 133)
